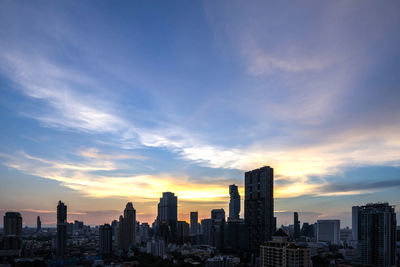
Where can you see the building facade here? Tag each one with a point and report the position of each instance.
(328, 231)
(61, 250)
(168, 212)
(105, 239)
(194, 223)
(12, 230)
(234, 203)
(259, 207)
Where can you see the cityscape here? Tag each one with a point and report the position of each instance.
(203, 133)
(220, 240)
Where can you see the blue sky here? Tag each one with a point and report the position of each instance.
(108, 102)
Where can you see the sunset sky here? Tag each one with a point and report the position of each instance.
(105, 102)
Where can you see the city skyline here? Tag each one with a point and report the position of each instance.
(103, 105)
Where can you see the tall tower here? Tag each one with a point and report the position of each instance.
(105, 239)
(217, 229)
(296, 225)
(61, 230)
(12, 231)
(168, 212)
(259, 207)
(194, 222)
(234, 203)
(130, 221)
(38, 224)
(377, 234)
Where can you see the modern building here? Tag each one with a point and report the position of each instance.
(38, 224)
(61, 250)
(234, 203)
(182, 232)
(234, 234)
(296, 224)
(217, 229)
(12, 230)
(168, 212)
(281, 253)
(259, 207)
(194, 223)
(355, 214)
(127, 227)
(206, 226)
(105, 239)
(328, 231)
(377, 234)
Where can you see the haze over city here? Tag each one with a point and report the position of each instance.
(113, 103)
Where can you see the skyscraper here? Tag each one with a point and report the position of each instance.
(377, 234)
(168, 211)
(217, 229)
(259, 207)
(12, 229)
(105, 239)
(194, 222)
(61, 230)
(328, 231)
(296, 225)
(355, 214)
(234, 203)
(127, 227)
(38, 224)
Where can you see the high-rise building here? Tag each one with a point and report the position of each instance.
(194, 223)
(38, 224)
(234, 203)
(12, 230)
(296, 225)
(259, 207)
(217, 229)
(355, 214)
(168, 211)
(328, 231)
(377, 234)
(206, 225)
(105, 239)
(281, 253)
(61, 230)
(127, 227)
(182, 231)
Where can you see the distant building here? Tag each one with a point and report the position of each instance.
(105, 239)
(234, 234)
(308, 230)
(38, 224)
(355, 214)
(61, 250)
(127, 227)
(206, 225)
(328, 231)
(377, 234)
(12, 230)
(296, 224)
(259, 207)
(281, 253)
(234, 203)
(217, 229)
(168, 212)
(194, 223)
(182, 229)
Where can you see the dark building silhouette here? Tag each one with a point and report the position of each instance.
(61, 230)
(127, 227)
(206, 225)
(194, 223)
(12, 229)
(377, 234)
(234, 234)
(38, 224)
(234, 203)
(259, 207)
(296, 225)
(168, 212)
(182, 232)
(217, 229)
(105, 239)
(307, 230)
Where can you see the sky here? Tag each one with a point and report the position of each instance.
(107, 102)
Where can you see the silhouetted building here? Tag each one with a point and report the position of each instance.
(307, 230)
(114, 226)
(12, 230)
(328, 231)
(234, 234)
(377, 234)
(217, 229)
(259, 207)
(194, 222)
(206, 225)
(168, 211)
(38, 224)
(105, 239)
(182, 231)
(296, 225)
(234, 203)
(355, 214)
(61, 230)
(281, 253)
(127, 227)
